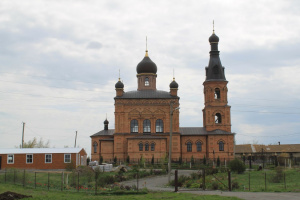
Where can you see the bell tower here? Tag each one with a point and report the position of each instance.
(216, 112)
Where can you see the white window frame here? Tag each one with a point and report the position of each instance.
(27, 158)
(65, 157)
(13, 158)
(46, 158)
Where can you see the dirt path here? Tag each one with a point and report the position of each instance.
(158, 183)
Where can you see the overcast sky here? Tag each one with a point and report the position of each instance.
(60, 60)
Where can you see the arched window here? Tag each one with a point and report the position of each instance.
(95, 145)
(152, 146)
(146, 81)
(199, 146)
(134, 127)
(217, 93)
(189, 147)
(159, 126)
(218, 119)
(141, 146)
(221, 146)
(147, 126)
(147, 147)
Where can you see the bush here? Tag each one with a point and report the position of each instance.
(181, 180)
(237, 166)
(128, 159)
(215, 185)
(115, 159)
(235, 185)
(101, 160)
(211, 171)
(277, 177)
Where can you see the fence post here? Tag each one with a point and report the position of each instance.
(14, 176)
(62, 181)
(48, 180)
(229, 180)
(34, 180)
(284, 180)
(265, 181)
(203, 171)
(78, 182)
(249, 180)
(5, 176)
(176, 180)
(137, 181)
(96, 180)
(24, 178)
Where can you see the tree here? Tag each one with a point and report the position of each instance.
(152, 160)
(115, 160)
(204, 160)
(237, 165)
(128, 159)
(101, 160)
(34, 143)
(218, 162)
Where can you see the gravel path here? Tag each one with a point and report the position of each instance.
(158, 183)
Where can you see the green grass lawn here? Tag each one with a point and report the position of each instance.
(39, 194)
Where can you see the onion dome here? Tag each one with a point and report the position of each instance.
(106, 121)
(174, 84)
(119, 85)
(213, 38)
(146, 65)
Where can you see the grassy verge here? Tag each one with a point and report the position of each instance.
(56, 195)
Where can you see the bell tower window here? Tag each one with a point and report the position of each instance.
(218, 118)
(217, 93)
(147, 81)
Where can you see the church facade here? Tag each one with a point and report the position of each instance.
(144, 117)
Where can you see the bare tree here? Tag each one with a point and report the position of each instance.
(34, 143)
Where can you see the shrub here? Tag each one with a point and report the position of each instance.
(211, 171)
(277, 177)
(196, 176)
(128, 159)
(115, 159)
(70, 166)
(215, 185)
(192, 160)
(181, 180)
(235, 185)
(180, 160)
(237, 165)
(101, 160)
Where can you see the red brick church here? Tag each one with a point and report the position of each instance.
(143, 119)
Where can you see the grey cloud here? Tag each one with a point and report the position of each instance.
(94, 45)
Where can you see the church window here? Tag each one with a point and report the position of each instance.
(199, 146)
(221, 146)
(152, 146)
(218, 119)
(95, 145)
(140, 146)
(217, 93)
(146, 147)
(147, 126)
(134, 127)
(159, 126)
(189, 147)
(146, 81)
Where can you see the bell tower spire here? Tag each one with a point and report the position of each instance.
(216, 113)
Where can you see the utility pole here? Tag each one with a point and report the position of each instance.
(23, 135)
(170, 145)
(75, 140)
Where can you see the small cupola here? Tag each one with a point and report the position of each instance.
(173, 87)
(119, 88)
(106, 122)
